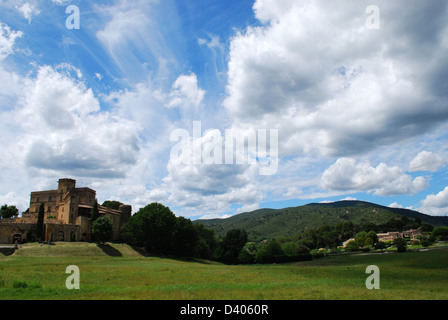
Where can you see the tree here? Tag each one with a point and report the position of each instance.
(95, 213)
(290, 248)
(425, 242)
(102, 229)
(113, 204)
(206, 243)
(245, 257)
(7, 212)
(270, 252)
(40, 222)
(185, 237)
(153, 227)
(360, 238)
(352, 246)
(380, 245)
(441, 233)
(232, 244)
(400, 243)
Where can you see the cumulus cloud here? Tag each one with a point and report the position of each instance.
(208, 186)
(335, 87)
(186, 93)
(395, 205)
(436, 204)
(346, 174)
(426, 161)
(64, 130)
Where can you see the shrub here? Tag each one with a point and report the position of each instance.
(245, 257)
(401, 244)
(352, 246)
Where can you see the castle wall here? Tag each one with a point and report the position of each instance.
(53, 232)
(67, 215)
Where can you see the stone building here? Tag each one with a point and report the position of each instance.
(67, 215)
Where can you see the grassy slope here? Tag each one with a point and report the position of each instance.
(413, 275)
(272, 223)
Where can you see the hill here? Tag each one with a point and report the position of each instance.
(287, 222)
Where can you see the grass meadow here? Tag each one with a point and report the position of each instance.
(118, 271)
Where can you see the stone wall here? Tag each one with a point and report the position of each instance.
(25, 232)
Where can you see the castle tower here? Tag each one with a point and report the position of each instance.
(66, 185)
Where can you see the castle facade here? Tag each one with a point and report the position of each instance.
(67, 215)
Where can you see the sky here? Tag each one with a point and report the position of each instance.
(138, 100)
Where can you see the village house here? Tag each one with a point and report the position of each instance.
(412, 234)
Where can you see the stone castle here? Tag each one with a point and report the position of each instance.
(67, 215)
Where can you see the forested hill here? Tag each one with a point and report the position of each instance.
(287, 222)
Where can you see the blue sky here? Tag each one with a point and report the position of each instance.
(361, 113)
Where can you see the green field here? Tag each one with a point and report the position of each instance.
(118, 271)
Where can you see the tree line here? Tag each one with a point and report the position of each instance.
(159, 231)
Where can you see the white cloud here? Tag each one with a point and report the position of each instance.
(395, 205)
(63, 129)
(7, 40)
(333, 86)
(28, 10)
(436, 205)
(382, 180)
(186, 93)
(426, 161)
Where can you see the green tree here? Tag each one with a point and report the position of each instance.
(153, 227)
(7, 212)
(206, 243)
(245, 257)
(371, 237)
(360, 238)
(380, 245)
(301, 249)
(400, 243)
(102, 229)
(113, 204)
(270, 252)
(40, 222)
(95, 213)
(232, 244)
(352, 246)
(425, 242)
(185, 237)
(441, 233)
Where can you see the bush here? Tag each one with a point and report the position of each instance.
(245, 257)
(380, 245)
(102, 229)
(352, 246)
(401, 244)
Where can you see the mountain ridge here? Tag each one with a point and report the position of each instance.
(269, 223)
